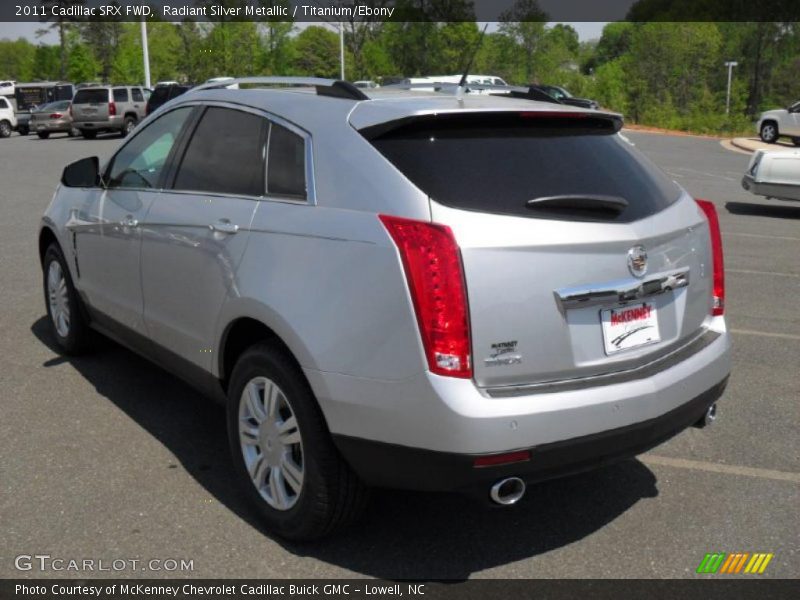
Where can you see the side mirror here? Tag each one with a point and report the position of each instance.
(82, 173)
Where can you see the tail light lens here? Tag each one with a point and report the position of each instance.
(56, 116)
(718, 304)
(432, 263)
(112, 109)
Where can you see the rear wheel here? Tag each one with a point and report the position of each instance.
(43, 134)
(282, 452)
(88, 134)
(73, 132)
(23, 130)
(128, 126)
(796, 141)
(769, 132)
(5, 129)
(64, 308)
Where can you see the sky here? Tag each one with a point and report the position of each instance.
(587, 30)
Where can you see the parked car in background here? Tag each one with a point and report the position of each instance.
(8, 119)
(53, 118)
(28, 96)
(563, 96)
(7, 88)
(773, 124)
(367, 84)
(774, 174)
(108, 109)
(163, 94)
(501, 291)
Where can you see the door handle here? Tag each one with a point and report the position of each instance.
(224, 226)
(129, 221)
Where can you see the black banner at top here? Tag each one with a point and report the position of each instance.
(400, 10)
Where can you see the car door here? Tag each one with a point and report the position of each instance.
(106, 223)
(794, 120)
(196, 231)
(139, 103)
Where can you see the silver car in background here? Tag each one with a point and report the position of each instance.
(108, 109)
(396, 289)
(53, 118)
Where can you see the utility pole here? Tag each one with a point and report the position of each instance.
(341, 49)
(730, 65)
(145, 54)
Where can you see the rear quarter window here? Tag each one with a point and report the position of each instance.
(496, 163)
(121, 95)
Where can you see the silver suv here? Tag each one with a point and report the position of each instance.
(100, 109)
(408, 290)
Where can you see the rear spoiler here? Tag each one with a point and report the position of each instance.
(516, 122)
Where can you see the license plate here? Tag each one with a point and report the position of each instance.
(629, 327)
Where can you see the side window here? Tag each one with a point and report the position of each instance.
(225, 154)
(120, 95)
(286, 165)
(140, 163)
(137, 95)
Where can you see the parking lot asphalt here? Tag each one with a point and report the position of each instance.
(108, 457)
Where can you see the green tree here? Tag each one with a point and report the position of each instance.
(17, 59)
(81, 65)
(525, 22)
(62, 25)
(317, 52)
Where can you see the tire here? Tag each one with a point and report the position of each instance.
(128, 126)
(23, 130)
(88, 134)
(73, 132)
(5, 129)
(326, 495)
(769, 132)
(65, 310)
(43, 134)
(796, 141)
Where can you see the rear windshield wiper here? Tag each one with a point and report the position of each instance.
(588, 204)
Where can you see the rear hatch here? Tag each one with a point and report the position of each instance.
(580, 257)
(90, 105)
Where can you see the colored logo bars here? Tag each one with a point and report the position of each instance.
(734, 563)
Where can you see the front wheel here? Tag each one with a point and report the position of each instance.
(283, 455)
(88, 134)
(43, 135)
(769, 132)
(64, 308)
(5, 129)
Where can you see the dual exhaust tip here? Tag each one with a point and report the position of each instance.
(507, 491)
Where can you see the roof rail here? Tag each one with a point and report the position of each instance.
(510, 91)
(325, 87)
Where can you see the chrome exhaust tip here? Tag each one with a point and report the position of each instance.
(709, 418)
(507, 491)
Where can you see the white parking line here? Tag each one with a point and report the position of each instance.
(698, 465)
(758, 235)
(749, 272)
(783, 336)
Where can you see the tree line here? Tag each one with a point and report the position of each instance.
(658, 73)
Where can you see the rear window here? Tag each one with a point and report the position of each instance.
(496, 163)
(90, 97)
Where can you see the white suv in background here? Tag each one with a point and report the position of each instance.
(8, 120)
(780, 122)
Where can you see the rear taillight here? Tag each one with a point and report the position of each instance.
(56, 115)
(432, 264)
(112, 109)
(718, 305)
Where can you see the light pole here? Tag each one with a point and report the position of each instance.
(145, 54)
(341, 49)
(730, 65)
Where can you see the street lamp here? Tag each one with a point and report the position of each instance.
(730, 65)
(145, 54)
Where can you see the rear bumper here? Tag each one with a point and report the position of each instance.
(772, 190)
(112, 123)
(395, 466)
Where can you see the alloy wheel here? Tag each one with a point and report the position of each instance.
(271, 443)
(58, 298)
